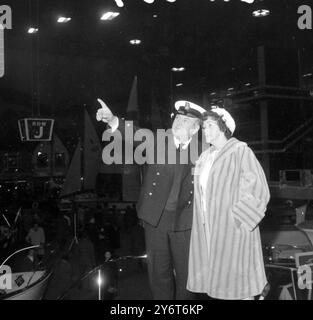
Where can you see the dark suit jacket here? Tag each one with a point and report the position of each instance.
(157, 183)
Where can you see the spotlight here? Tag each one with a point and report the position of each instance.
(148, 1)
(99, 280)
(179, 84)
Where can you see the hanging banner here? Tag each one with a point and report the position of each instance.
(36, 129)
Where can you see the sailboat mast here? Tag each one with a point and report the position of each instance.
(82, 158)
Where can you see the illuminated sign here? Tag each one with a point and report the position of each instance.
(36, 129)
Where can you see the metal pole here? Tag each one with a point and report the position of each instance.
(171, 91)
(293, 285)
(75, 234)
(263, 110)
(99, 284)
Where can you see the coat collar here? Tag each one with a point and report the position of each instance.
(230, 146)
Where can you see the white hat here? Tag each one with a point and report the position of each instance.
(226, 117)
(189, 108)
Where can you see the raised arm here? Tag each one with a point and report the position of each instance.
(105, 115)
(127, 130)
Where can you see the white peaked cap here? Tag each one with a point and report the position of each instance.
(226, 117)
(187, 104)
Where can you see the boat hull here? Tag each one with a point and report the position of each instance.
(34, 291)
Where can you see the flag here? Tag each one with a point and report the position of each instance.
(92, 154)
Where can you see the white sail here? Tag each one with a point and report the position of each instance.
(92, 154)
(73, 179)
(156, 119)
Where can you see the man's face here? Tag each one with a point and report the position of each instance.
(184, 127)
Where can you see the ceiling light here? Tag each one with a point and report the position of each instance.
(33, 30)
(179, 84)
(119, 3)
(64, 19)
(261, 13)
(170, 0)
(178, 69)
(109, 15)
(135, 42)
(148, 1)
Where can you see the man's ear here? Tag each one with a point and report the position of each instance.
(195, 129)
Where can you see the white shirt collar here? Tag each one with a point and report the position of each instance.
(178, 143)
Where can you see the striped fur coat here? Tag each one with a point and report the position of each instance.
(225, 259)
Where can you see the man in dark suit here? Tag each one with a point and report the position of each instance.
(165, 201)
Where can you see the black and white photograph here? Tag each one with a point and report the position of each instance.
(156, 150)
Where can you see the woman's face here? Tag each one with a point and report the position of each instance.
(211, 130)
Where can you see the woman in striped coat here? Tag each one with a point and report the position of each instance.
(231, 195)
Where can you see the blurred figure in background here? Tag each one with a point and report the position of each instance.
(86, 250)
(28, 263)
(36, 236)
